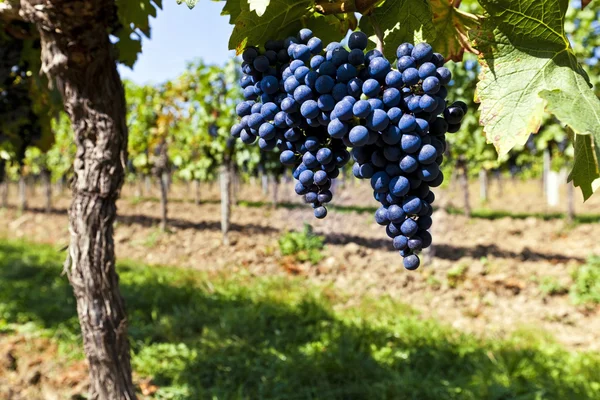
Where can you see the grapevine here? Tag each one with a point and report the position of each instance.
(312, 102)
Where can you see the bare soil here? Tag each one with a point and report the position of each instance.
(482, 276)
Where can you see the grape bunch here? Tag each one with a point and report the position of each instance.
(281, 110)
(312, 103)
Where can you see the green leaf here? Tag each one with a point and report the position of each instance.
(259, 6)
(191, 3)
(524, 50)
(281, 19)
(399, 21)
(452, 26)
(585, 173)
(329, 28)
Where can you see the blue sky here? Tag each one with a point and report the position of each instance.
(180, 35)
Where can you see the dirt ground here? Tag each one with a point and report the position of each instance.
(482, 276)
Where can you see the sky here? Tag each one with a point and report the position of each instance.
(180, 35)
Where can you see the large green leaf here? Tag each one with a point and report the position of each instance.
(281, 19)
(451, 26)
(399, 21)
(528, 65)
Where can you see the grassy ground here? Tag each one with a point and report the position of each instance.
(241, 337)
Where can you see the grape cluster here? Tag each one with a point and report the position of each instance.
(313, 103)
(281, 109)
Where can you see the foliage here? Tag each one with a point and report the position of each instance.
(530, 67)
(238, 337)
(304, 246)
(586, 283)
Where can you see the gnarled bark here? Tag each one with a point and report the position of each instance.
(76, 53)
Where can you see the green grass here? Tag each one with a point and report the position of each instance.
(586, 282)
(242, 337)
(303, 246)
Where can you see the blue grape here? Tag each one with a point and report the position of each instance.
(376, 104)
(249, 54)
(316, 61)
(339, 91)
(409, 164)
(287, 157)
(394, 114)
(269, 110)
(377, 120)
(400, 242)
(302, 93)
(320, 177)
(411, 205)
(343, 110)
(306, 177)
(289, 105)
(391, 135)
(326, 102)
(431, 85)
(428, 172)
(409, 227)
(345, 72)
(267, 131)
(320, 212)
(410, 142)
(411, 262)
(391, 97)
(310, 109)
(355, 87)
(324, 84)
(324, 155)
(261, 63)
(408, 123)
(410, 76)
(406, 62)
(311, 197)
(444, 75)
(427, 154)
(311, 79)
(377, 159)
(396, 214)
(422, 52)
(361, 109)
(301, 52)
(327, 68)
(381, 216)
(339, 56)
(301, 73)
(399, 186)
(426, 70)
(315, 45)
(405, 49)
(312, 143)
(380, 182)
(337, 129)
(247, 137)
(428, 103)
(378, 68)
(356, 57)
(255, 120)
(359, 135)
(394, 79)
(357, 40)
(367, 170)
(371, 88)
(392, 153)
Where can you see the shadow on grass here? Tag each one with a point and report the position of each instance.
(254, 338)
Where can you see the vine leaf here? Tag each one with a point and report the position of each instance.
(259, 6)
(400, 21)
(528, 65)
(281, 19)
(580, 110)
(585, 174)
(452, 26)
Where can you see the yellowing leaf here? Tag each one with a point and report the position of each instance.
(452, 26)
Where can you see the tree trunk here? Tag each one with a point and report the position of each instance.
(545, 170)
(264, 178)
(464, 184)
(483, 185)
(148, 185)
(225, 178)
(275, 190)
(47, 189)
(22, 192)
(3, 185)
(570, 203)
(77, 53)
(500, 183)
(234, 183)
(164, 189)
(196, 192)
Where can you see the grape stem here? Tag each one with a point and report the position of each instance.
(326, 7)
